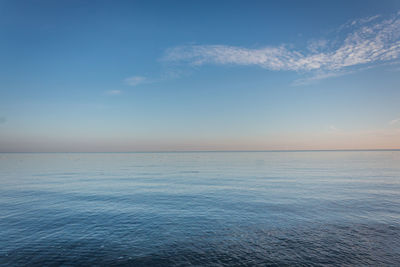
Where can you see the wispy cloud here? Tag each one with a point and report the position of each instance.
(136, 80)
(317, 45)
(352, 23)
(395, 121)
(113, 92)
(333, 128)
(2, 120)
(320, 75)
(364, 41)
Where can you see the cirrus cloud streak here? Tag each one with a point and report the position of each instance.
(368, 41)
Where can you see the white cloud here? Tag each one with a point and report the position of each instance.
(353, 23)
(317, 45)
(135, 80)
(369, 40)
(113, 92)
(395, 121)
(319, 75)
(333, 128)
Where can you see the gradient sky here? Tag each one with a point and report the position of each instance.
(199, 75)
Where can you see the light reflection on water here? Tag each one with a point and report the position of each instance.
(239, 208)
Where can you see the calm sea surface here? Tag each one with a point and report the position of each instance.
(217, 208)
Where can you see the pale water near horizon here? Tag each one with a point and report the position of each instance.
(202, 209)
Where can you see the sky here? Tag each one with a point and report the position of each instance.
(109, 76)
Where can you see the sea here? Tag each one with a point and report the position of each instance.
(274, 208)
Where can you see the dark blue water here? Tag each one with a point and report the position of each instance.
(204, 209)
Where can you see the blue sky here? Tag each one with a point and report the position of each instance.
(199, 75)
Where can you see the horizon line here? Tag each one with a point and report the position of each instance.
(210, 151)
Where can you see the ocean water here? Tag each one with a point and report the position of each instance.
(202, 209)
